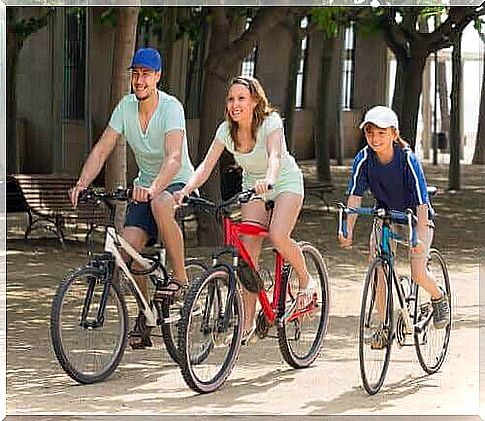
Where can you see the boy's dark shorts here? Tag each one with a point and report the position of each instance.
(140, 215)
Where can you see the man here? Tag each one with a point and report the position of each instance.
(153, 123)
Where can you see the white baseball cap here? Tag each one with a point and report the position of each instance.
(382, 117)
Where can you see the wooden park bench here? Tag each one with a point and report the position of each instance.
(45, 198)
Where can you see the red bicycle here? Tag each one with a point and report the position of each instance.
(211, 326)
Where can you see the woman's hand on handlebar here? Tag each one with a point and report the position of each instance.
(263, 186)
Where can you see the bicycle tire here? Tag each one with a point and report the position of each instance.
(369, 324)
(169, 329)
(430, 360)
(64, 322)
(201, 307)
(298, 350)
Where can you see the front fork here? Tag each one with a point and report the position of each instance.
(227, 312)
(106, 263)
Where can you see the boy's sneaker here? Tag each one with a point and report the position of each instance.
(441, 311)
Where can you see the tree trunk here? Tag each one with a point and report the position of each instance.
(322, 142)
(295, 50)
(211, 113)
(13, 50)
(125, 36)
(219, 67)
(407, 92)
(443, 94)
(455, 123)
(479, 154)
(398, 96)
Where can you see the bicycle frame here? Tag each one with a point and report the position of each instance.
(384, 250)
(114, 242)
(233, 242)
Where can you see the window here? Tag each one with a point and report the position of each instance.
(74, 63)
(348, 68)
(300, 76)
(248, 66)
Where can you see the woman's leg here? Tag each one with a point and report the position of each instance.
(253, 211)
(285, 213)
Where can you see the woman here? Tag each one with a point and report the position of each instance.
(253, 133)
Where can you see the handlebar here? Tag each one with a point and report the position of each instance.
(398, 217)
(93, 194)
(243, 197)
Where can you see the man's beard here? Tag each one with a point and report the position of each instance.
(146, 96)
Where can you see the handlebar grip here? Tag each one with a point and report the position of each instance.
(414, 238)
(342, 221)
(84, 196)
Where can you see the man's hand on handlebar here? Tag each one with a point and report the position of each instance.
(75, 191)
(142, 194)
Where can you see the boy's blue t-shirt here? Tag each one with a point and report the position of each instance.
(398, 185)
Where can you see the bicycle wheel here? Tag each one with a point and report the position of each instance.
(301, 334)
(431, 344)
(208, 347)
(87, 341)
(171, 313)
(376, 328)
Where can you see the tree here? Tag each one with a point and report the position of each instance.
(322, 141)
(326, 22)
(455, 125)
(411, 48)
(223, 53)
(126, 25)
(479, 154)
(18, 31)
(293, 25)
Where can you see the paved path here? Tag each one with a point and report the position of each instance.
(148, 382)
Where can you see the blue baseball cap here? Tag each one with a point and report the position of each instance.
(147, 57)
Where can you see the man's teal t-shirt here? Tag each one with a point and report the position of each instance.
(149, 148)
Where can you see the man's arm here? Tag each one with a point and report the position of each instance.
(172, 162)
(94, 162)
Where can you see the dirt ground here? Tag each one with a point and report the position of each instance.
(148, 382)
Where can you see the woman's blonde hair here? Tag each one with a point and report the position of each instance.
(262, 109)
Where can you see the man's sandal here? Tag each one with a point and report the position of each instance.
(139, 337)
(173, 289)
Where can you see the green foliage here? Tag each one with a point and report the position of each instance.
(24, 28)
(429, 12)
(330, 19)
(478, 24)
(110, 16)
